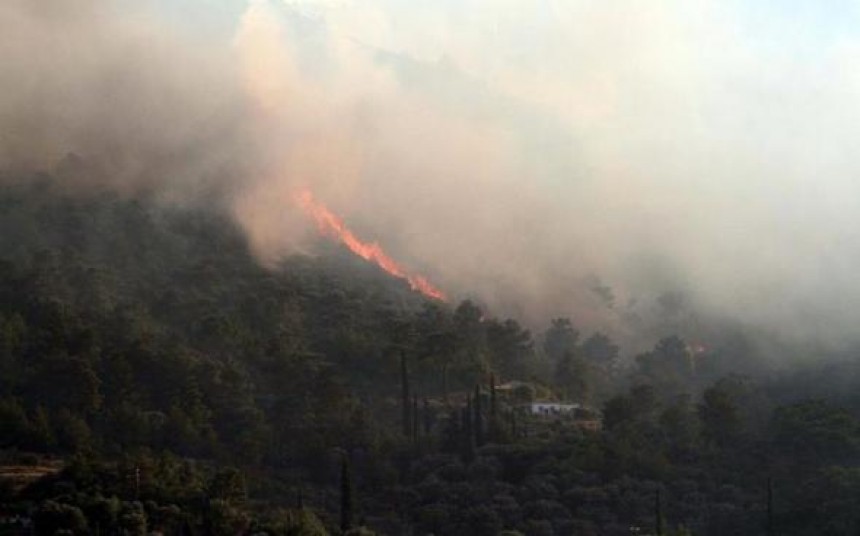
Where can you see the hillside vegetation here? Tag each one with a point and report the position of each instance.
(155, 377)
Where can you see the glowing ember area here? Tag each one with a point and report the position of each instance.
(332, 226)
(697, 348)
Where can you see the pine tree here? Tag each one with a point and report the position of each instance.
(493, 408)
(428, 423)
(452, 432)
(479, 418)
(415, 428)
(407, 409)
(468, 439)
(347, 505)
(495, 428)
(770, 529)
(41, 438)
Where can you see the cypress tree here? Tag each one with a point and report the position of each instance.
(415, 419)
(493, 413)
(468, 434)
(428, 424)
(347, 505)
(406, 407)
(770, 530)
(494, 429)
(452, 433)
(479, 417)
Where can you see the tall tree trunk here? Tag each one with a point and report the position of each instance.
(493, 413)
(494, 429)
(405, 398)
(415, 420)
(479, 417)
(428, 423)
(468, 434)
(770, 528)
(347, 505)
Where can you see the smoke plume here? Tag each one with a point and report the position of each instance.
(574, 158)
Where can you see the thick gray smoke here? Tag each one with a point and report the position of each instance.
(608, 162)
(144, 107)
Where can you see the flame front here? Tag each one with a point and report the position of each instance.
(330, 225)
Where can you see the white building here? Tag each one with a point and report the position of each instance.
(552, 408)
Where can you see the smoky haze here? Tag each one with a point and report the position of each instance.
(583, 160)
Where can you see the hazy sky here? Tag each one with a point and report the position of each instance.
(521, 153)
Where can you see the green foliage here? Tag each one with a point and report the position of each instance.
(681, 428)
(53, 517)
(560, 339)
(170, 383)
(510, 347)
(600, 349)
(347, 500)
(225, 519)
(573, 376)
(815, 431)
(228, 485)
(360, 531)
(720, 412)
(668, 366)
(132, 519)
(282, 522)
(13, 422)
(72, 432)
(103, 513)
(617, 410)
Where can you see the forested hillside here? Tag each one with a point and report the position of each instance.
(155, 377)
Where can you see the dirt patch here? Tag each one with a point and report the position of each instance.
(19, 476)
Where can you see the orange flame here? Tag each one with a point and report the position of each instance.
(330, 225)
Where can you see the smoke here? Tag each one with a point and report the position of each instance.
(144, 107)
(575, 158)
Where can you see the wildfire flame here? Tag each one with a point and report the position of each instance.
(697, 348)
(330, 225)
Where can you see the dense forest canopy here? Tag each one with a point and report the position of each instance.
(631, 227)
(159, 378)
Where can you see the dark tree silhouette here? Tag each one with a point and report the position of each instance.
(347, 504)
(405, 398)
